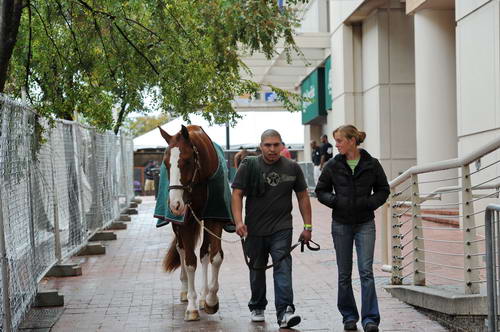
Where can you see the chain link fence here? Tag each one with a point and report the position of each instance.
(59, 184)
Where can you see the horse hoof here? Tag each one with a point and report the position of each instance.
(184, 296)
(212, 310)
(202, 304)
(191, 315)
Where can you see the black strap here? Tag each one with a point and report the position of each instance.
(260, 268)
(308, 244)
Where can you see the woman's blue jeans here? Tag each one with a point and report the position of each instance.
(258, 248)
(363, 236)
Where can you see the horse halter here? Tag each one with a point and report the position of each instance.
(197, 168)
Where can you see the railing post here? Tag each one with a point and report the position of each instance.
(57, 235)
(418, 235)
(384, 231)
(491, 267)
(397, 259)
(7, 319)
(471, 262)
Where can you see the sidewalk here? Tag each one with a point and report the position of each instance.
(126, 289)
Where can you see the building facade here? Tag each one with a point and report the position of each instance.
(420, 77)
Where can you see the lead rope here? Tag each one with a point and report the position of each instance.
(202, 224)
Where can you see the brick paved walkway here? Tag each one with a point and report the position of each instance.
(126, 289)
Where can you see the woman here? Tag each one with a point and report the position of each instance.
(353, 184)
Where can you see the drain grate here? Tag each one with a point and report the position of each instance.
(38, 318)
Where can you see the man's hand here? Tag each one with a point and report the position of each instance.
(305, 236)
(241, 229)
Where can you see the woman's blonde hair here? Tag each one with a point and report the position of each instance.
(349, 131)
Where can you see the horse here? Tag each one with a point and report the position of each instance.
(191, 160)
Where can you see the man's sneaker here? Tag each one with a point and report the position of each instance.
(257, 315)
(371, 327)
(350, 326)
(289, 319)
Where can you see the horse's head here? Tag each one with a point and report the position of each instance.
(182, 161)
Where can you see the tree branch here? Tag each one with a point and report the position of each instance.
(135, 48)
(48, 35)
(28, 59)
(77, 47)
(97, 27)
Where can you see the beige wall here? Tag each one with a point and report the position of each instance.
(478, 83)
(388, 89)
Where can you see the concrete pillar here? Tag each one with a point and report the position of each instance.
(435, 94)
(311, 132)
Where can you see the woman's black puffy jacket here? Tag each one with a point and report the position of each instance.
(353, 197)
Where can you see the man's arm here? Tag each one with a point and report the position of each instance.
(322, 161)
(237, 209)
(305, 211)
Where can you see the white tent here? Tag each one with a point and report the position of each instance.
(245, 133)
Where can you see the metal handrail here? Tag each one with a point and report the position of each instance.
(491, 264)
(447, 164)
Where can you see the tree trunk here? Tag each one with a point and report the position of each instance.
(121, 117)
(10, 19)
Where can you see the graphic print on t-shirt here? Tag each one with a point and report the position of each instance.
(273, 178)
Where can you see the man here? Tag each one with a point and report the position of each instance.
(268, 181)
(239, 156)
(149, 184)
(285, 152)
(326, 151)
(316, 160)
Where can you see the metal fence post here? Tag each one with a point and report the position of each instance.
(471, 274)
(418, 235)
(57, 235)
(7, 319)
(83, 232)
(124, 175)
(397, 259)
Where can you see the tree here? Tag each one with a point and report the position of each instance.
(88, 56)
(143, 124)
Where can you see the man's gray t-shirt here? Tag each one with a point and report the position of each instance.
(271, 212)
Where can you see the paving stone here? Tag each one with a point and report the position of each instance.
(127, 290)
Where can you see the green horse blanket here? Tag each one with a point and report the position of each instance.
(217, 206)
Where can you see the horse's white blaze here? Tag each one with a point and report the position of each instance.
(175, 195)
(213, 288)
(192, 305)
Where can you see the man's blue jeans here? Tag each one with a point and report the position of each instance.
(363, 236)
(258, 249)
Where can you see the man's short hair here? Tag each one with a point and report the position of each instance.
(269, 133)
(325, 136)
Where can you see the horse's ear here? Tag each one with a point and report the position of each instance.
(185, 132)
(165, 135)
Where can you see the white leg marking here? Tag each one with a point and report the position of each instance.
(184, 280)
(175, 195)
(213, 288)
(204, 279)
(192, 305)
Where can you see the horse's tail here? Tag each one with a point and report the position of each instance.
(172, 259)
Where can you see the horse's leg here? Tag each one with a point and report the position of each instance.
(184, 280)
(192, 312)
(205, 259)
(216, 257)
